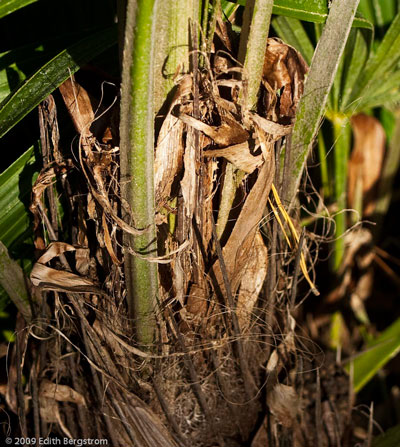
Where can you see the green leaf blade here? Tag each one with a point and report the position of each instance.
(378, 353)
(10, 6)
(50, 76)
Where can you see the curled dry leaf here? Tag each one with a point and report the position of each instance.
(78, 105)
(239, 155)
(366, 162)
(168, 159)
(270, 127)
(238, 246)
(253, 278)
(52, 279)
(60, 393)
(284, 404)
(54, 250)
(284, 68)
(230, 132)
(108, 242)
(45, 179)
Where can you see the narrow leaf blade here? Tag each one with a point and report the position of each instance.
(378, 353)
(50, 76)
(9, 6)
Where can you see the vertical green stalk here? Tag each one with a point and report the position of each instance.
(137, 147)
(342, 141)
(253, 43)
(323, 166)
(156, 45)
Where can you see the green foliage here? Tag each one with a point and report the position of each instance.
(315, 11)
(375, 356)
(389, 439)
(50, 76)
(9, 6)
(319, 81)
(15, 223)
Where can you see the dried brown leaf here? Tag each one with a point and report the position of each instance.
(78, 105)
(239, 155)
(230, 132)
(197, 300)
(254, 275)
(366, 161)
(270, 127)
(237, 248)
(284, 68)
(284, 404)
(108, 242)
(48, 278)
(54, 250)
(60, 393)
(189, 180)
(168, 159)
(45, 179)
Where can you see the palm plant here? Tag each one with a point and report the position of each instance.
(193, 333)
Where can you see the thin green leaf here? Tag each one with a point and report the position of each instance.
(389, 439)
(15, 189)
(355, 55)
(308, 10)
(385, 93)
(316, 90)
(378, 12)
(383, 61)
(13, 281)
(9, 6)
(50, 76)
(293, 33)
(376, 355)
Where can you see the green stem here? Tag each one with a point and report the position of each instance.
(342, 141)
(319, 81)
(252, 46)
(137, 146)
(323, 166)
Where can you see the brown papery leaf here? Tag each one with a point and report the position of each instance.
(79, 105)
(284, 67)
(366, 161)
(61, 393)
(284, 404)
(254, 275)
(239, 155)
(228, 133)
(53, 250)
(51, 279)
(169, 151)
(238, 246)
(45, 179)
